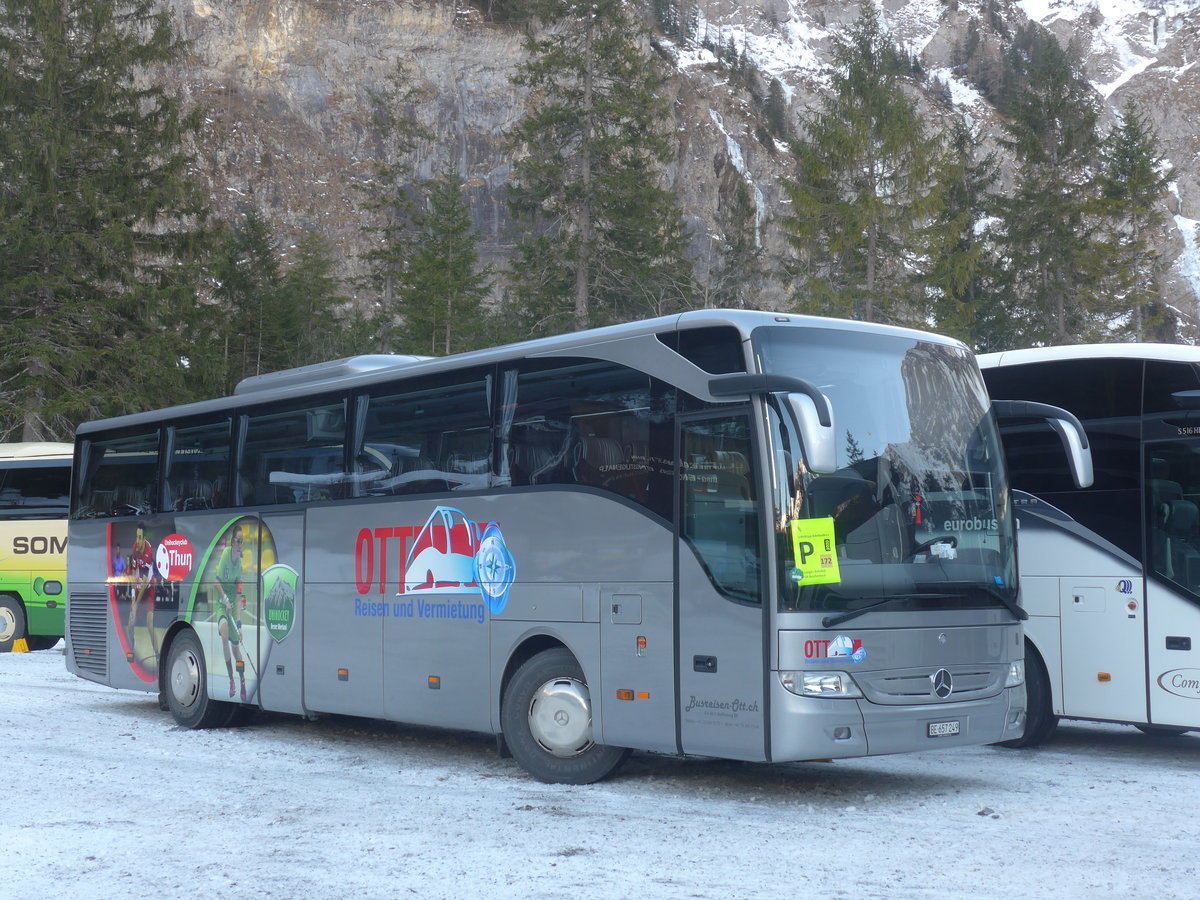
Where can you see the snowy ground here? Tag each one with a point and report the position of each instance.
(107, 798)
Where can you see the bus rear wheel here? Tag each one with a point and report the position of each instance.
(186, 686)
(1040, 720)
(42, 641)
(12, 622)
(546, 716)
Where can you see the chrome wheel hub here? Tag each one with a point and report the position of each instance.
(560, 717)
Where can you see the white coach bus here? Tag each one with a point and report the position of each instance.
(1110, 576)
(730, 534)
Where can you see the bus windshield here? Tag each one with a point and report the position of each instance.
(917, 513)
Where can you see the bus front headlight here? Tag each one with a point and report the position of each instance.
(820, 684)
(1016, 674)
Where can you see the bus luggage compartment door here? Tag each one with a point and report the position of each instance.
(1103, 659)
(637, 662)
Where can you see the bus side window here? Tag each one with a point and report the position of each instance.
(197, 472)
(582, 422)
(122, 476)
(296, 455)
(434, 436)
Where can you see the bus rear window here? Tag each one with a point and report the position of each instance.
(37, 488)
(120, 476)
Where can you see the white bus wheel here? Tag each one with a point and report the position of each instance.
(187, 686)
(12, 622)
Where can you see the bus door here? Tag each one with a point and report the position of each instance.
(1173, 582)
(720, 596)
(278, 617)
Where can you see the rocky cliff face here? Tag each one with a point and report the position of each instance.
(288, 87)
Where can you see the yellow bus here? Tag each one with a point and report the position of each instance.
(35, 488)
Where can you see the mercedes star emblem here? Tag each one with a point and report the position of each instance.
(943, 683)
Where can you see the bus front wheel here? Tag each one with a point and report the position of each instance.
(1040, 720)
(546, 716)
(12, 622)
(186, 686)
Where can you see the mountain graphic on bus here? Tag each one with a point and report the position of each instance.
(453, 555)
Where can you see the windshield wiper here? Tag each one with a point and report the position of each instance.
(1001, 597)
(830, 621)
(1008, 603)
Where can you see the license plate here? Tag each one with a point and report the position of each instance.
(941, 729)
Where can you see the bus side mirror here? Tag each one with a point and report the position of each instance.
(810, 409)
(1068, 428)
(819, 438)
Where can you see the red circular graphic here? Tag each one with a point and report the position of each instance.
(175, 557)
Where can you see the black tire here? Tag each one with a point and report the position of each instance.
(546, 715)
(1040, 720)
(1162, 730)
(12, 622)
(42, 641)
(185, 685)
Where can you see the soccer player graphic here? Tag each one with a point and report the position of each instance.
(142, 559)
(229, 611)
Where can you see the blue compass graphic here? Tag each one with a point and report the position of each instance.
(495, 569)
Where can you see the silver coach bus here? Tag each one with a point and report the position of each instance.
(730, 534)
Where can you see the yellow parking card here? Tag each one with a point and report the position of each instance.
(816, 557)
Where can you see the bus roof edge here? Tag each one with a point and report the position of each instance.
(351, 365)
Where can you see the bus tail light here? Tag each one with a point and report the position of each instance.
(1016, 674)
(820, 684)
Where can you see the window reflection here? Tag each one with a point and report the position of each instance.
(1174, 513)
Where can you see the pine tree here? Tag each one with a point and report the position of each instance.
(775, 111)
(252, 326)
(1134, 177)
(959, 266)
(863, 185)
(98, 218)
(588, 174)
(1055, 283)
(444, 287)
(390, 198)
(738, 263)
(309, 288)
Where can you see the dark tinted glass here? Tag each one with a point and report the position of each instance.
(120, 476)
(588, 423)
(1173, 513)
(718, 503)
(198, 467)
(434, 434)
(716, 349)
(293, 456)
(1164, 381)
(1106, 396)
(35, 488)
(1090, 388)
